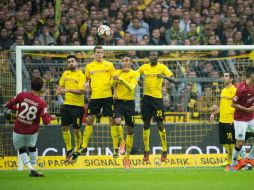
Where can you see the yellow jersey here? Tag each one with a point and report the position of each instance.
(130, 79)
(226, 111)
(153, 84)
(73, 80)
(100, 75)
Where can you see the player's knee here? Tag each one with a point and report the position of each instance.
(146, 125)
(130, 130)
(117, 121)
(65, 128)
(239, 144)
(76, 130)
(32, 149)
(160, 126)
(22, 150)
(129, 123)
(90, 119)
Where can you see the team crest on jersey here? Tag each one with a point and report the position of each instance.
(92, 72)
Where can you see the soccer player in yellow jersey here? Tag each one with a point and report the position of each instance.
(124, 82)
(71, 85)
(152, 104)
(226, 120)
(98, 73)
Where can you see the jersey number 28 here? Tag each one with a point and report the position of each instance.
(28, 113)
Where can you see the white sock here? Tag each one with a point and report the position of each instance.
(33, 158)
(25, 160)
(243, 152)
(251, 153)
(234, 157)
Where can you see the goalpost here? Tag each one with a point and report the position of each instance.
(178, 61)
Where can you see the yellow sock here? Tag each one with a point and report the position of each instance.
(230, 149)
(87, 134)
(67, 139)
(129, 143)
(146, 138)
(120, 133)
(114, 135)
(228, 152)
(77, 138)
(163, 137)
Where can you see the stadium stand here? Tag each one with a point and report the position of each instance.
(148, 22)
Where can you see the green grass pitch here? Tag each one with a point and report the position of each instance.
(133, 179)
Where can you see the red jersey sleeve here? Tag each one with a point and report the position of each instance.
(12, 104)
(238, 94)
(46, 118)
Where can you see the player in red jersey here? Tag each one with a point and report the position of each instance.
(243, 102)
(30, 108)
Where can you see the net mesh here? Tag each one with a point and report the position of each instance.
(188, 103)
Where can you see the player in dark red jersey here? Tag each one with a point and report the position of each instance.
(30, 108)
(243, 102)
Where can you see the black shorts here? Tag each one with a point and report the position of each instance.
(126, 109)
(152, 107)
(226, 133)
(95, 106)
(72, 115)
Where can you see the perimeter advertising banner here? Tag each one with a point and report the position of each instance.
(95, 162)
(182, 138)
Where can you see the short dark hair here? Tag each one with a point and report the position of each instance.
(231, 74)
(97, 47)
(71, 56)
(249, 71)
(37, 84)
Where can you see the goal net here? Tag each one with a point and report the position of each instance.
(198, 70)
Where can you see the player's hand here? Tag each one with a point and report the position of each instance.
(251, 109)
(63, 91)
(116, 77)
(87, 85)
(160, 76)
(59, 90)
(115, 96)
(212, 118)
(53, 117)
